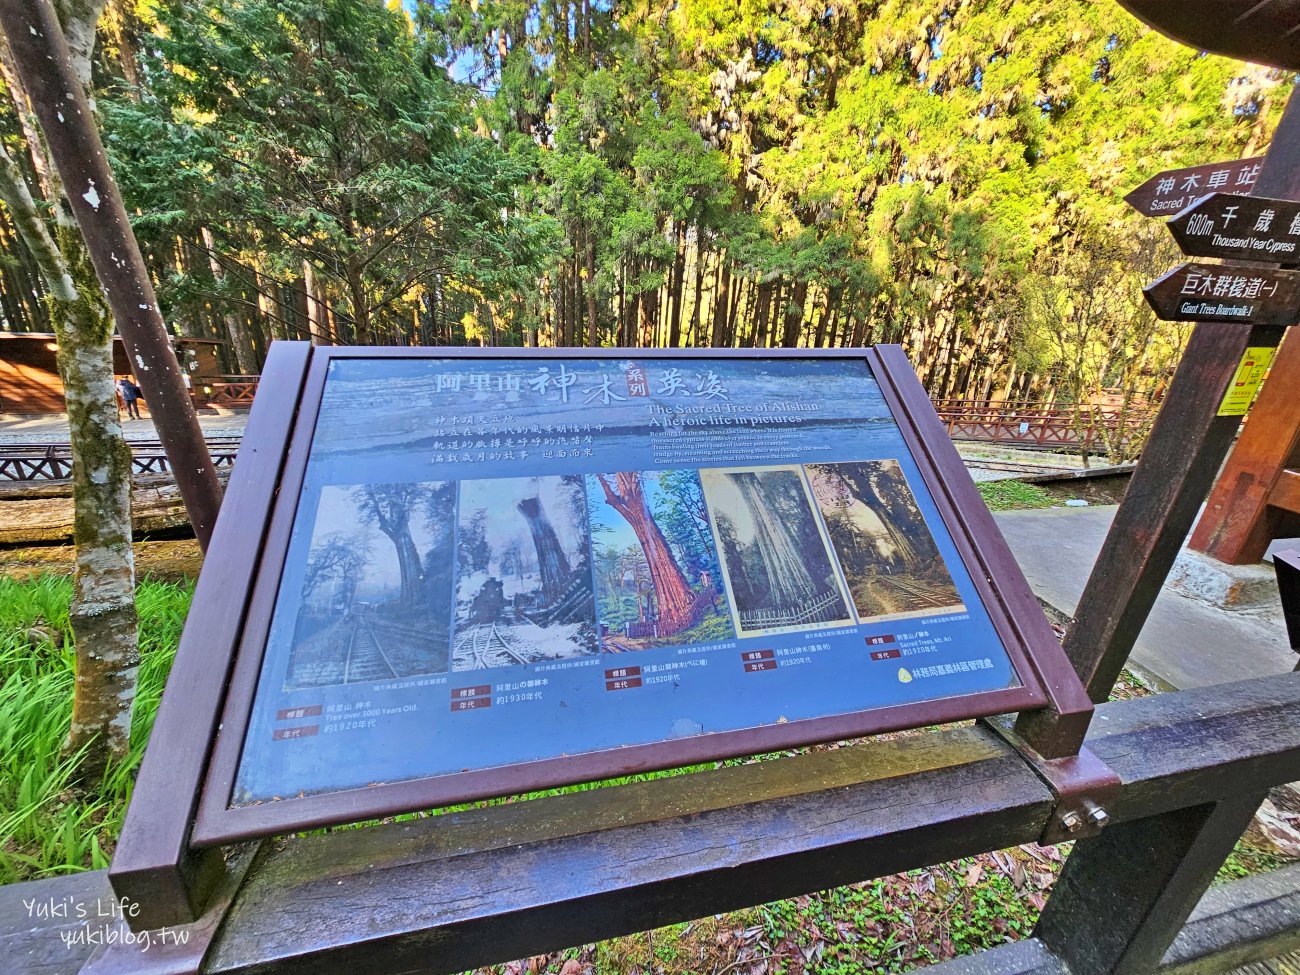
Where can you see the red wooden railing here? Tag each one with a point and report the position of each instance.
(1035, 424)
(233, 391)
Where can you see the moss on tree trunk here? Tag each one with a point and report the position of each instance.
(103, 613)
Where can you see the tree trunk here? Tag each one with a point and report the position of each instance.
(675, 287)
(672, 591)
(794, 315)
(102, 612)
(693, 334)
(590, 251)
(721, 301)
(53, 76)
(240, 341)
(315, 319)
(360, 305)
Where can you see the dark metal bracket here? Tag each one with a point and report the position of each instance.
(1084, 786)
(1287, 566)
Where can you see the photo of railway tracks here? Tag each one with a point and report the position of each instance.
(889, 558)
(376, 595)
(523, 573)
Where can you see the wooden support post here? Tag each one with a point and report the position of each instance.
(1125, 894)
(40, 53)
(1241, 516)
(1182, 457)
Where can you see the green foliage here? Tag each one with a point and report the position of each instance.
(323, 131)
(46, 826)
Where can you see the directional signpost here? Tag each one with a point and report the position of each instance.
(1225, 292)
(1235, 228)
(1248, 228)
(1172, 191)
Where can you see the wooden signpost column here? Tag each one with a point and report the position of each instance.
(1187, 446)
(1257, 498)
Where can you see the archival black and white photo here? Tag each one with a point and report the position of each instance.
(775, 558)
(376, 593)
(523, 573)
(890, 561)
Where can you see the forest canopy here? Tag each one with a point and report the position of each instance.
(943, 174)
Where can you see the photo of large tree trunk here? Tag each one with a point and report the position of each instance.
(523, 587)
(788, 582)
(656, 566)
(888, 555)
(550, 557)
(778, 564)
(389, 507)
(672, 592)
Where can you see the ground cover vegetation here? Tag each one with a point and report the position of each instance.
(48, 827)
(942, 173)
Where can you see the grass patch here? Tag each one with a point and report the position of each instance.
(1009, 495)
(46, 827)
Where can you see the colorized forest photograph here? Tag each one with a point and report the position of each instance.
(778, 568)
(655, 564)
(523, 578)
(890, 561)
(376, 591)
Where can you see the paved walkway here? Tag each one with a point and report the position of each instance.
(1186, 642)
(15, 431)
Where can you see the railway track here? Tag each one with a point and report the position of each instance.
(926, 596)
(484, 646)
(366, 658)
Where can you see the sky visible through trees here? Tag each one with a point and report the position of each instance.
(946, 175)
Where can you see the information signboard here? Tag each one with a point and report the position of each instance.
(489, 574)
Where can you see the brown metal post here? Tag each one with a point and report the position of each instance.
(40, 52)
(1126, 893)
(1183, 455)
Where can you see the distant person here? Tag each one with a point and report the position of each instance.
(131, 395)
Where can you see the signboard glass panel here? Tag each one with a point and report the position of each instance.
(502, 561)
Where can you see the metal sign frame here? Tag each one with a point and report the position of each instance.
(208, 729)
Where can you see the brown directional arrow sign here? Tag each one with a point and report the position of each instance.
(1174, 190)
(1250, 228)
(1226, 293)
